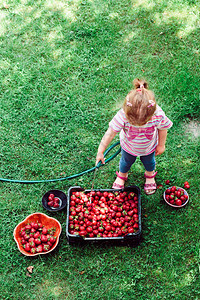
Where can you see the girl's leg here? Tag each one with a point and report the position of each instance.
(149, 163)
(125, 164)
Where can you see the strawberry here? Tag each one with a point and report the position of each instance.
(51, 197)
(37, 241)
(26, 237)
(50, 203)
(32, 244)
(159, 186)
(43, 238)
(33, 230)
(27, 247)
(50, 244)
(33, 250)
(56, 200)
(28, 227)
(23, 241)
(56, 205)
(31, 239)
(44, 230)
(178, 202)
(52, 230)
(187, 186)
(39, 249)
(35, 225)
(36, 235)
(46, 247)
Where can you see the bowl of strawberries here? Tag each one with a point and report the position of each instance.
(37, 234)
(176, 197)
(54, 200)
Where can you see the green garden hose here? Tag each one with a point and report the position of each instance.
(72, 176)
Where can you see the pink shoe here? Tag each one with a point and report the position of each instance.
(150, 188)
(119, 186)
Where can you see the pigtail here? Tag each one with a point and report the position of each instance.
(140, 83)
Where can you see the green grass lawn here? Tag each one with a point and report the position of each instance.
(65, 69)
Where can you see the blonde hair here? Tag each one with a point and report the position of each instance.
(140, 104)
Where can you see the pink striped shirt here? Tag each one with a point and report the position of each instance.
(140, 140)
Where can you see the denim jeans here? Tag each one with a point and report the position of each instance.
(127, 160)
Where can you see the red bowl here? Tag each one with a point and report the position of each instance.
(47, 221)
(176, 206)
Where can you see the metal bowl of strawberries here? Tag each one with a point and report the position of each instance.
(176, 197)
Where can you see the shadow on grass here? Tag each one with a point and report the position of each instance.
(66, 67)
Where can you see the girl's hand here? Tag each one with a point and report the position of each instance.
(162, 135)
(107, 138)
(159, 150)
(100, 157)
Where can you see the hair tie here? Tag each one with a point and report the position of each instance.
(152, 103)
(128, 103)
(139, 91)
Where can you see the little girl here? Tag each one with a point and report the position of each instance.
(143, 131)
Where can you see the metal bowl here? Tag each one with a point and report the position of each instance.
(173, 205)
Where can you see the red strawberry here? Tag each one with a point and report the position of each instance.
(44, 230)
(28, 227)
(51, 197)
(52, 239)
(43, 238)
(56, 200)
(26, 237)
(33, 230)
(178, 202)
(167, 191)
(50, 244)
(33, 250)
(23, 241)
(46, 247)
(35, 225)
(187, 186)
(36, 235)
(37, 241)
(31, 239)
(136, 226)
(32, 244)
(27, 247)
(39, 249)
(159, 186)
(22, 232)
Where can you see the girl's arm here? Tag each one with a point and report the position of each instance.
(162, 136)
(106, 140)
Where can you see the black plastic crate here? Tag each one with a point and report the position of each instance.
(131, 239)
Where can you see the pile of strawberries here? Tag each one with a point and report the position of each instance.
(36, 238)
(175, 196)
(103, 214)
(53, 202)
